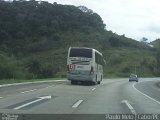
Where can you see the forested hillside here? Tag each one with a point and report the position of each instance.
(35, 37)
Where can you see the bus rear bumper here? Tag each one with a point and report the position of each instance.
(80, 78)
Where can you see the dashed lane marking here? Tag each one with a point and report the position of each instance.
(93, 89)
(129, 106)
(50, 86)
(29, 91)
(77, 103)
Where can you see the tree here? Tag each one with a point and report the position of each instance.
(114, 42)
(144, 40)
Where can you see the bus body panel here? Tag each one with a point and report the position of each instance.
(83, 68)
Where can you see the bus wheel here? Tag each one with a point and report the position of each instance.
(94, 83)
(99, 82)
(73, 82)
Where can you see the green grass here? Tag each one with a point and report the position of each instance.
(11, 81)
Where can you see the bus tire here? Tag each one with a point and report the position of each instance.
(73, 82)
(94, 82)
(99, 82)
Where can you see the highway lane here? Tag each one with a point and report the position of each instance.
(151, 93)
(22, 88)
(112, 96)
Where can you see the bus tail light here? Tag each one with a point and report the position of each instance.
(91, 71)
(68, 69)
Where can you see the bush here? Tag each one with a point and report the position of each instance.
(10, 68)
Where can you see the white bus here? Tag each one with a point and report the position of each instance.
(84, 65)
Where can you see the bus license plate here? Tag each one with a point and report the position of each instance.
(79, 67)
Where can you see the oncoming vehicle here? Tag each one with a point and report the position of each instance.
(133, 77)
(84, 65)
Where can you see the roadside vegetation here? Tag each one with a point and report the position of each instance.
(11, 81)
(35, 37)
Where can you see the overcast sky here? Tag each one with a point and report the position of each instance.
(134, 18)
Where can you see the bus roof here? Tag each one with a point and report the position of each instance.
(89, 48)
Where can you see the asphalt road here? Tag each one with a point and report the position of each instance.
(93, 102)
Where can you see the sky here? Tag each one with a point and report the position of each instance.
(133, 18)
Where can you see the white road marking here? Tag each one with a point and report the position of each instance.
(29, 91)
(1, 97)
(93, 89)
(25, 83)
(60, 80)
(77, 103)
(129, 106)
(145, 94)
(50, 86)
(40, 98)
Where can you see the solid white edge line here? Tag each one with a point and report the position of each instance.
(77, 103)
(129, 106)
(29, 91)
(145, 94)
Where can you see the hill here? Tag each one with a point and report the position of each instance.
(35, 37)
(156, 43)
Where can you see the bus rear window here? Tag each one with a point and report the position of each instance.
(79, 52)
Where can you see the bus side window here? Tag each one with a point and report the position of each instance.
(99, 59)
(96, 57)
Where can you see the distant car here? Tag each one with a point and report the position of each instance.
(133, 77)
